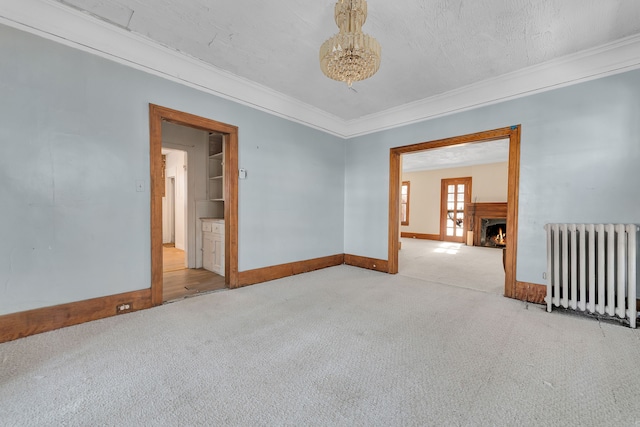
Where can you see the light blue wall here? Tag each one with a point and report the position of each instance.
(580, 162)
(75, 139)
(74, 132)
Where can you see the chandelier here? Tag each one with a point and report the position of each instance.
(350, 55)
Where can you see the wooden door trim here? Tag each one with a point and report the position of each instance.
(513, 134)
(157, 115)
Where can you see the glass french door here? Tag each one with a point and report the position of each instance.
(455, 194)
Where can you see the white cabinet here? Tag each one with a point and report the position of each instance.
(218, 254)
(208, 254)
(213, 245)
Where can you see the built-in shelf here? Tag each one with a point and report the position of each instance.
(216, 174)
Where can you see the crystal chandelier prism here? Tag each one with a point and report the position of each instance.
(350, 55)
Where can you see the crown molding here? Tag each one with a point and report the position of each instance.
(613, 58)
(74, 28)
(71, 27)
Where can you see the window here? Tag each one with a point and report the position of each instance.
(404, 203)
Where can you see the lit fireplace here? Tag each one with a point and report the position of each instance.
(493, 232)
(488, 223)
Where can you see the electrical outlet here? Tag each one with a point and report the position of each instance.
(124, 308)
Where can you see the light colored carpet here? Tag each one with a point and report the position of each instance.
(455, 264)
(340, 346)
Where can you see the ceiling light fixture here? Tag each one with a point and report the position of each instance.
(350, 55)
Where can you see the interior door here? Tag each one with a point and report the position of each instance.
(455, 194)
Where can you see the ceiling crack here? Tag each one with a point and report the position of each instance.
(129, 21)
(212, 40)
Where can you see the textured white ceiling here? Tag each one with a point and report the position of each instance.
(428, 47)
(456, 156)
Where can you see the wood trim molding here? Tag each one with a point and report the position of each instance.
(411, 235)
(25, 323)
(395, 180)
(231, 209)
(365, 262)
(274, 272)
(489, 209)
(31, 322)
(531, 292)
(157, 115)
(155, 187)
(536, 293)
(513, 133)
(513, 190)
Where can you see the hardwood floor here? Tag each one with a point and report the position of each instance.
(180, 282)
(172, 259)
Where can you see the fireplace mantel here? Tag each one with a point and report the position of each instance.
(477, 211)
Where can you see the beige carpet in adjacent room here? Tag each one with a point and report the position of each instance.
(455, 264)
(339, 346)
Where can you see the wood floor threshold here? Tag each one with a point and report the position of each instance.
(31, 322)
(265, 274)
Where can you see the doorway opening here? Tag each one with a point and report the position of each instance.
(466, 221)
(185, 201)
(191, 186)
(174, 201)
(448, 183)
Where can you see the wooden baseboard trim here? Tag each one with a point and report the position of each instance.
(259, 275)
(420, 236)
(26, 323)
(31, 322)
(369, 263)
(531, 292)
(535, 293)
